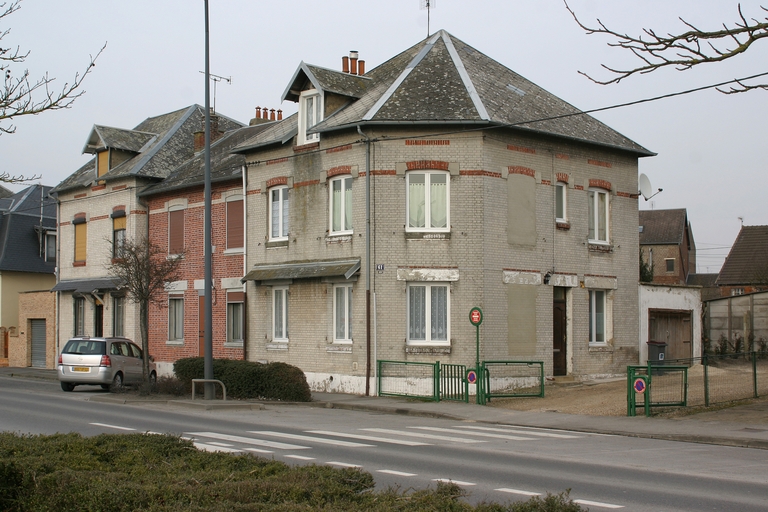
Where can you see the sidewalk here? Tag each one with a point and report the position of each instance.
(742, 426)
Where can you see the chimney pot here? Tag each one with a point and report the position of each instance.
(361, 67)
(258, 112)
(345, 64)
(353, 62)
(272, 115)
(279, 115)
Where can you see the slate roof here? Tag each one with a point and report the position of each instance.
(167, 141)
(747, 262)
(225, 165)
(22, 226)
(663, 227)
(442, 80)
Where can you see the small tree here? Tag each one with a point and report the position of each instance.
(143, 269)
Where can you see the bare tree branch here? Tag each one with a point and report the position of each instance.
(684, 50)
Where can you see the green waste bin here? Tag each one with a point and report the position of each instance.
(656, 351)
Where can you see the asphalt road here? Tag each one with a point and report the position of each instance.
(492, 462)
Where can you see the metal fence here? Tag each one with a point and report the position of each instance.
(409, 379)
(503, 379)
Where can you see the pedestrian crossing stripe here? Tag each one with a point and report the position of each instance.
(249, 440)
(423, 436)
(479, 434)
(524, 432)
(321, 440)
(404, 442)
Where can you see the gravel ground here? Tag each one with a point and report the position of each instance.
(595, 398)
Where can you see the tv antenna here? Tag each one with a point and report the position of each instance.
(216, 79)
(428, 5)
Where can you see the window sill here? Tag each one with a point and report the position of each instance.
(427, 235)
(563, 225)
(600, 347)
(277, 345)
(78, 263)
(175, 343)
(335, 238)
(339, 349)
(600, 247)
(427, 349)
(174, 257)
(233, 344)
(238, 250)
(276, 243)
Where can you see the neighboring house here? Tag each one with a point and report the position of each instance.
(27, 263)
(745, 270)
(99, 208)
(666, 242)
(482, 189)
(738, 319)
(176, 220)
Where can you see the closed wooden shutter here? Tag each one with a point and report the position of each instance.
(118, 223)
(176, 232)
(81, 241)
(102, 163)
(235, 224)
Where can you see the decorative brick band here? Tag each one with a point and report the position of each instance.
(340, 148)
(521, 270)
(118, 207)
(599, 163)
(382, 172)
(80, 196)
(563, 156)
(561, 177)
(65, 223)
(253, 192)
(578, 187)
(516, 169)
(306, 183)
(423, 142)
(427, 164)
(98, 187)
(275, 161)
(521, 149)
(600, 184)
(546, 182)
(280, 180)
(100, 217)
(627, 194)
(119, 187)
(480, 173)
(306, 147)
(341, 169)
(138, 212)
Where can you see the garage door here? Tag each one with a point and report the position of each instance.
(38, 343)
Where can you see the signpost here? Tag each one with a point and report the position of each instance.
(476, 318)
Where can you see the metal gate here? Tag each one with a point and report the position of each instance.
(38, 343)
(453, 383)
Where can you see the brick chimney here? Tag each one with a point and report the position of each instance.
(199, 136)
(265, 115)
(353, 62)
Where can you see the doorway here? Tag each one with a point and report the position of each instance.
(674, 329)
(559, 333)
(98, 319)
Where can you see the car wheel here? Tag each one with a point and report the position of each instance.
(117, 383)
(105, 386)
(153, 381)
(67, 386)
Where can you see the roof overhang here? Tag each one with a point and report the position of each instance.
(86, 286)
(303, 270)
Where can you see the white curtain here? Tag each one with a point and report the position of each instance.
(438, 201)
(417, 318)
(416, 201)
(340, 311)
(348, 204)
(336, 205)
(439, 313)
(285, 212)
(275, 213)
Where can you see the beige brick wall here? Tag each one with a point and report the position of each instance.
(37, 305)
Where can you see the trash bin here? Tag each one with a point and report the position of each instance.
(656, 351)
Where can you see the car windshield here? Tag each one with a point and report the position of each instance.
(85, 347)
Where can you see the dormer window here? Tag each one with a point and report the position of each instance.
(102, 163)
(310, 113)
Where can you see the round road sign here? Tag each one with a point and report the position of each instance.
(639, 385)
(472, 376)
(476, 316)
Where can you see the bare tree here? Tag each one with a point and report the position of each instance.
(21, 95)
(143, 270)
(685, 50)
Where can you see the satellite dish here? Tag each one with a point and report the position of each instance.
(644, 186)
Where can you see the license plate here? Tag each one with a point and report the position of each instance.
(81, 369)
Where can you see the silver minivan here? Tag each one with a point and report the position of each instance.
(107, 362)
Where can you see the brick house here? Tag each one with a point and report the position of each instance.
(482, 189)
(99, 207)
(667, 244)
(176, 219)
(745, 269)
(27, 264)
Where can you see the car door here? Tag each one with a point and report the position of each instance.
(137, 361)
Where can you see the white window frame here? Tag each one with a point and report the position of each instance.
(50, 246)
(314, 100)
(593, 198)
(598, 299)
(118, 316)
(561, 196)
(280, 314)
(344, 229)
(428, 292)
(427, 201)
(342, 311)
(175, 328)
(235, 323)
(79, 316)
(283, 212)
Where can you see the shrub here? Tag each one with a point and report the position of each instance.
(244, 379)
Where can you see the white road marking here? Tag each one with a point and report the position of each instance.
(113, 426)
(342, 464)
(320, 440)
(212, 448)
(249, 440)
(299, 457)
(449, 481)
(257, 450)
(393, 472)
(597, 504)
(517, 491)
(479, 434)
(220, 444)
(423, 436)
(524, 432)
(368, 438)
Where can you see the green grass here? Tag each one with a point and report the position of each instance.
(162, 473)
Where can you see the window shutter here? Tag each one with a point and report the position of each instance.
(235, 296)
(235, 227)
(118, 223)
(176, 232)
(102, 163)
(81, 239)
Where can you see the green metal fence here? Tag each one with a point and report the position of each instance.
(453, 383)
(663, 386)
(505, 379)
(409, 379)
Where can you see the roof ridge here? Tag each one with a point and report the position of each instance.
(465, 78)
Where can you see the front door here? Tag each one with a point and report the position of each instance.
(559, 351)
(98, 319)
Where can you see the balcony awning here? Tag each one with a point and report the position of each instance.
(86, 285)
(303, 270)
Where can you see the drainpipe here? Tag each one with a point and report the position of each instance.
(245, 259)
(367, 261)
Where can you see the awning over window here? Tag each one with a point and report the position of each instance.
(86, 285)
(303, 270)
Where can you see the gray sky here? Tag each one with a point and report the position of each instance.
(709, 145)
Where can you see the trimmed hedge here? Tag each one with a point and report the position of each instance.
(247, 380)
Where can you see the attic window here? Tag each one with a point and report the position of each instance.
(516, 90)
(310, 113)
(102, 162)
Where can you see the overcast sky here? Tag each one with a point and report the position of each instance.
(711, 152)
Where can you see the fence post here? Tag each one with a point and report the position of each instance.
(436, 379)
(705, 362)
(630, 391)
(378, 377)
(754, 371)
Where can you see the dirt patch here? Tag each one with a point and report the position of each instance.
(598, 398)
